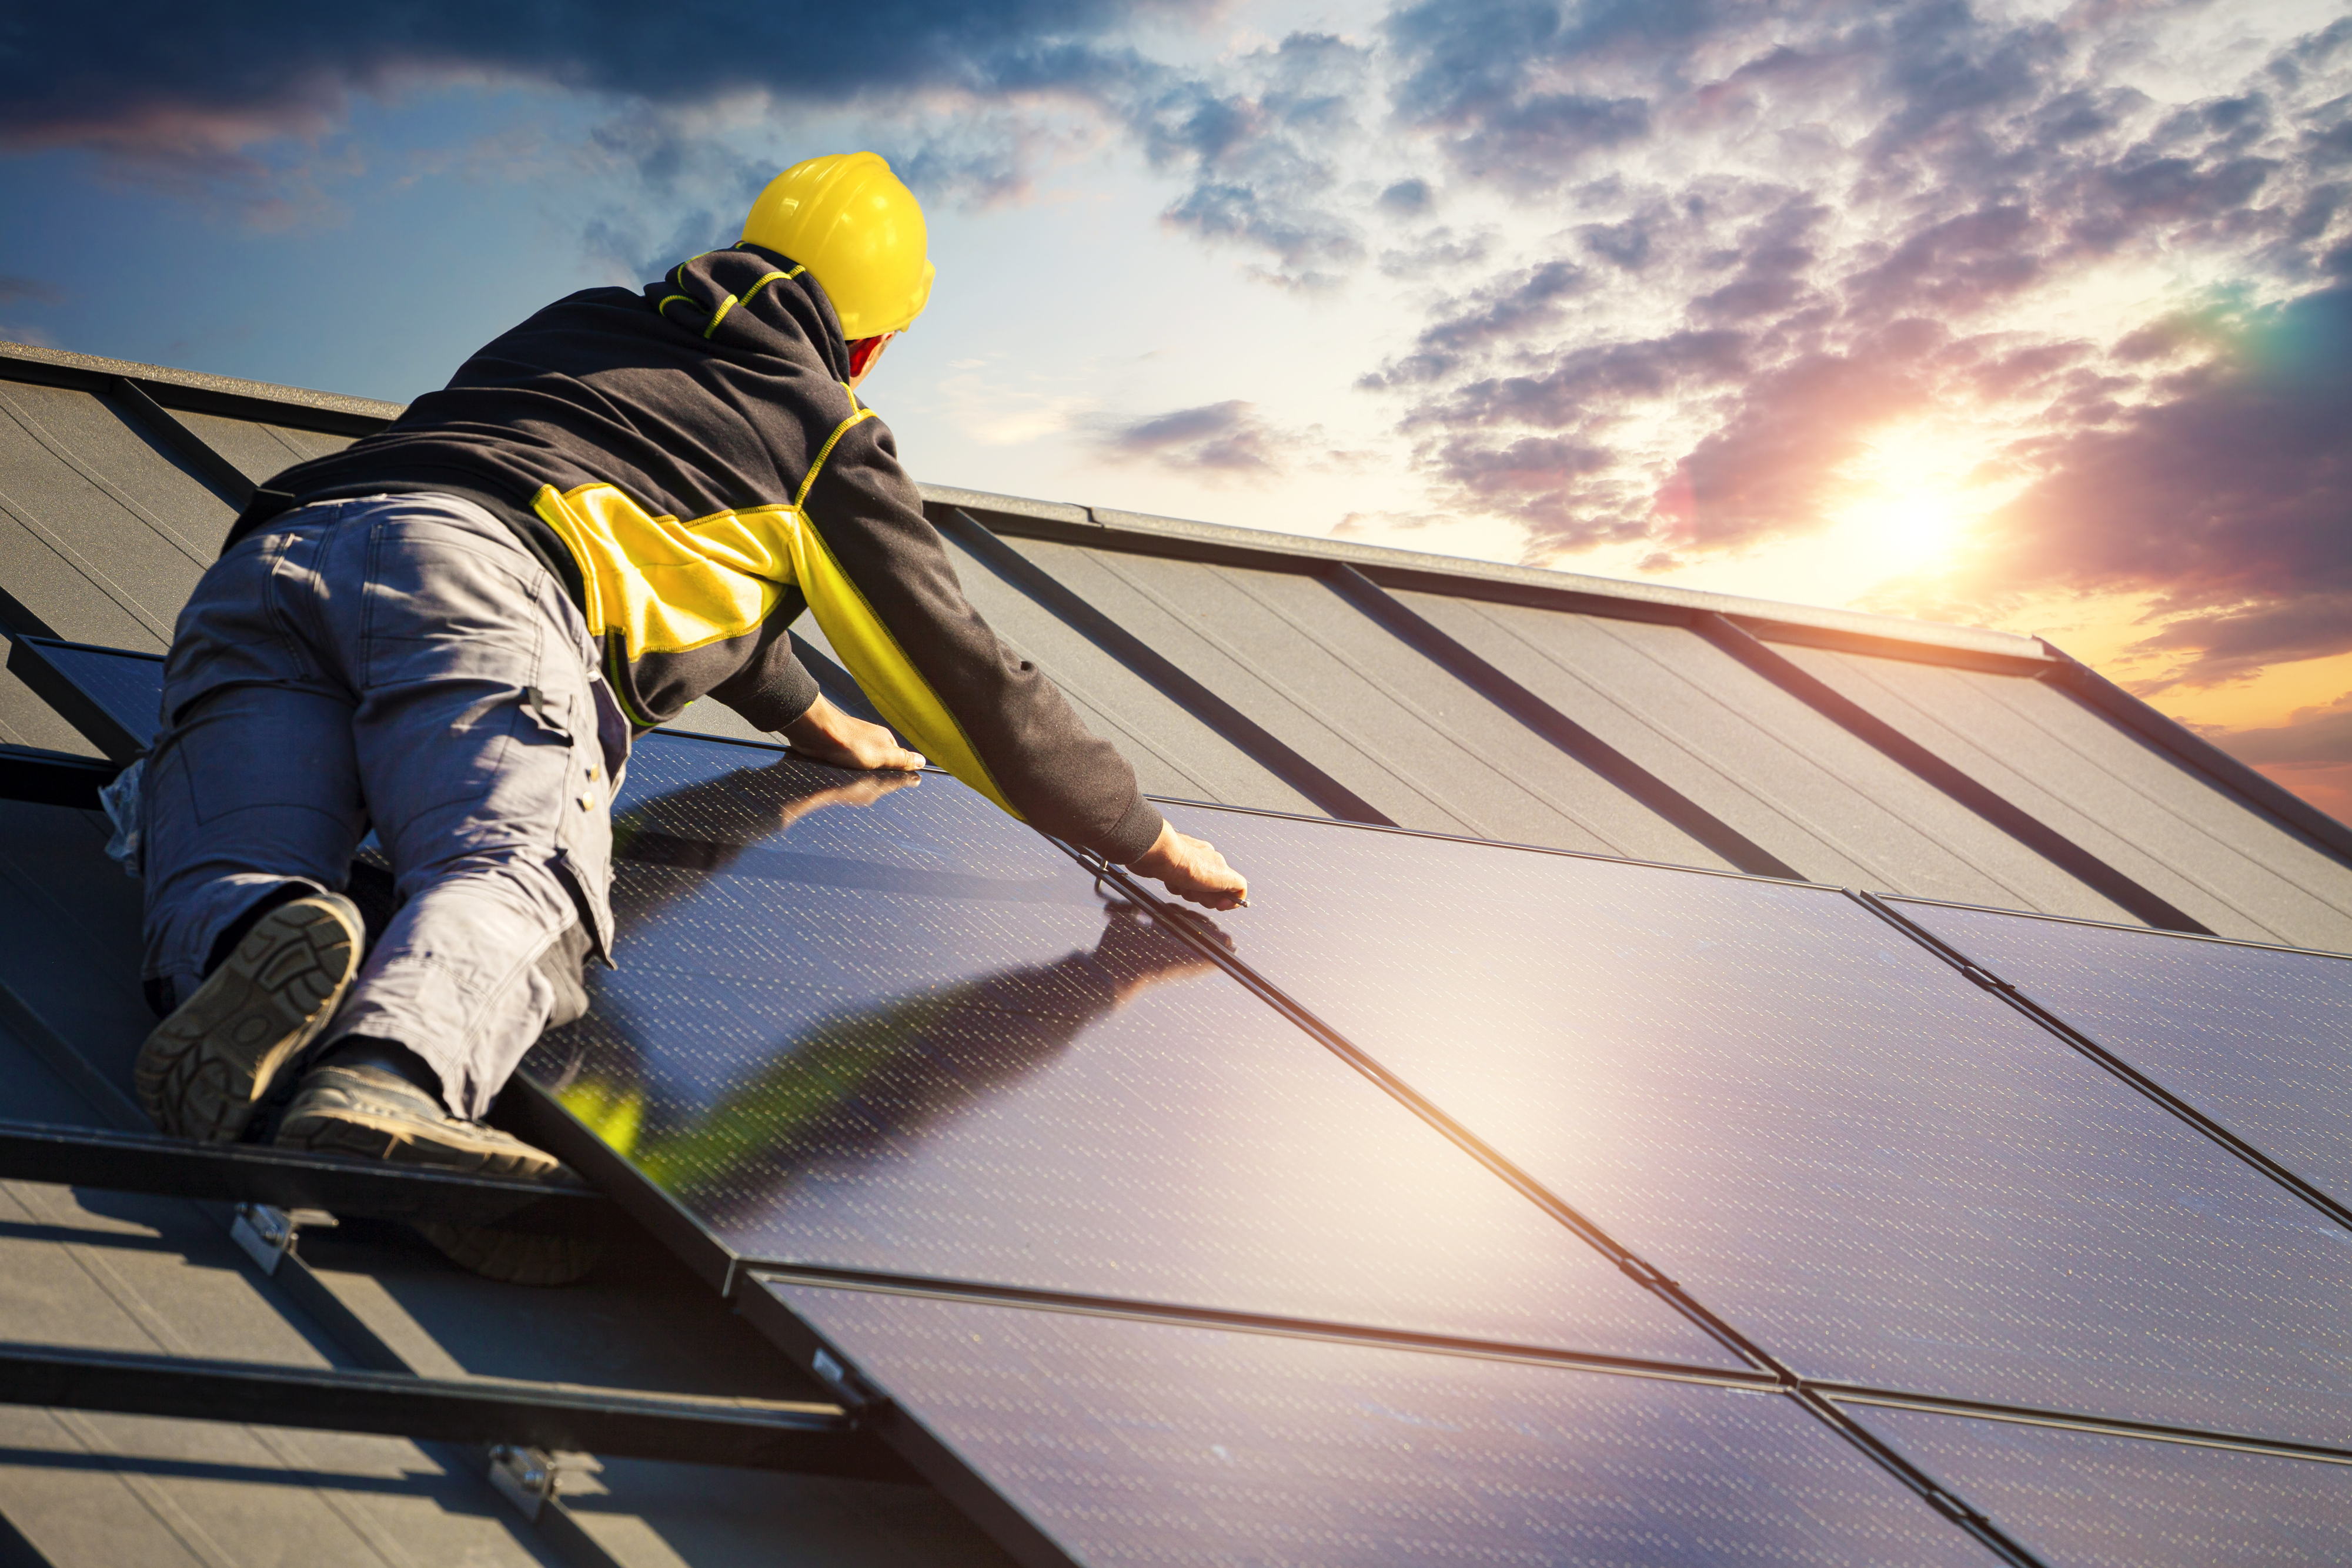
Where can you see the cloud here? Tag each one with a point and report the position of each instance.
(2311, 738)
(29, 290)
(180, 95)
(2310, 754)
(1794, 230)
(1261, 148)
(2228, 498)
(1229, 440)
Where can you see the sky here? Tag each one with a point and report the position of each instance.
(2031, 316)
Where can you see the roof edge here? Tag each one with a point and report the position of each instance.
(197, 392)
(1600, 595)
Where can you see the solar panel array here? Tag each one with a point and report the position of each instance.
(1469, 1203)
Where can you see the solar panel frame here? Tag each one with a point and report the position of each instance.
(1916, 917)
(1706, 1297)
(779, 1303)
(2075, 1493)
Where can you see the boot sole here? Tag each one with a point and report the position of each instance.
(513, 1257)
(206, 1070)
(362, 1135)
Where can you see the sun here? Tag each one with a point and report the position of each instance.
(1910, 498)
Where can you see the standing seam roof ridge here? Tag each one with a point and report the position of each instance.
(2021, 780)
(1343, 733)
(2095, 691)
(121, 596)
(1994, 807)
(107, 487)
(164, 424)
(1156, 670)
(1438, 723)
(1572, 739)
(1802, 820)
(2316, 894)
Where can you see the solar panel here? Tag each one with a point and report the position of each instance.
(2096, 1498)
(896, 1031)
(1123, 1441)
(2253, 1037)
(1877, 1173)
(113, 696)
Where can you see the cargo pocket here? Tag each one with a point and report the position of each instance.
(584, 856)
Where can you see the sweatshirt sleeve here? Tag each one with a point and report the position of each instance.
(880, 584)
(774, 688)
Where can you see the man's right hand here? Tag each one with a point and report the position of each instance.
(1192, 868)
(829, 735)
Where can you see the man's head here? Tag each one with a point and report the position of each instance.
(860, 233)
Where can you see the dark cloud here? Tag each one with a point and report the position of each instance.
(1219, 441)
(145, 73)
(2230, 500)
(28, 290)
(1406, 198)
(1496, 79)
(1215, 438)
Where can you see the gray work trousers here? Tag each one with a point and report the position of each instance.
(401, 663)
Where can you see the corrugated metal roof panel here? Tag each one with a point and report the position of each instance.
(106, 533)
(1833, 808)
(1419, 746)
(260, 452)
(2182, 835)
(1174, 753)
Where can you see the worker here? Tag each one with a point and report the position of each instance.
(450, 631)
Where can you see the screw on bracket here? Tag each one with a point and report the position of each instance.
(266, 1234)
(530, 1478)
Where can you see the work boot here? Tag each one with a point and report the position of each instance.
(207, 1068)
(358, 1101)
(372, 1112)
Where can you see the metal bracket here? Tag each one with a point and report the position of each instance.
(531, 1478)
(266, 1234)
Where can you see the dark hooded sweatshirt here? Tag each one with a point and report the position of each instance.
(691, 463)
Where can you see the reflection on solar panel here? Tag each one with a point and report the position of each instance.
(2092, 1498)
(2253, 1037)
(896, 1031)
(1126, 1441)
(1875, 1171)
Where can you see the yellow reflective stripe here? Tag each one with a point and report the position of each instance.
(771, 279)
(880, 665)
(667, 298)
(724, 306)
(801, 498)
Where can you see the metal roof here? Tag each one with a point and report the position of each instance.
(1235, 667)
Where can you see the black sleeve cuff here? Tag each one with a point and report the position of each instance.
(1136, 831)
(780, 693)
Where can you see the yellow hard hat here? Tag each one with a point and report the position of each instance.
(860, 233)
